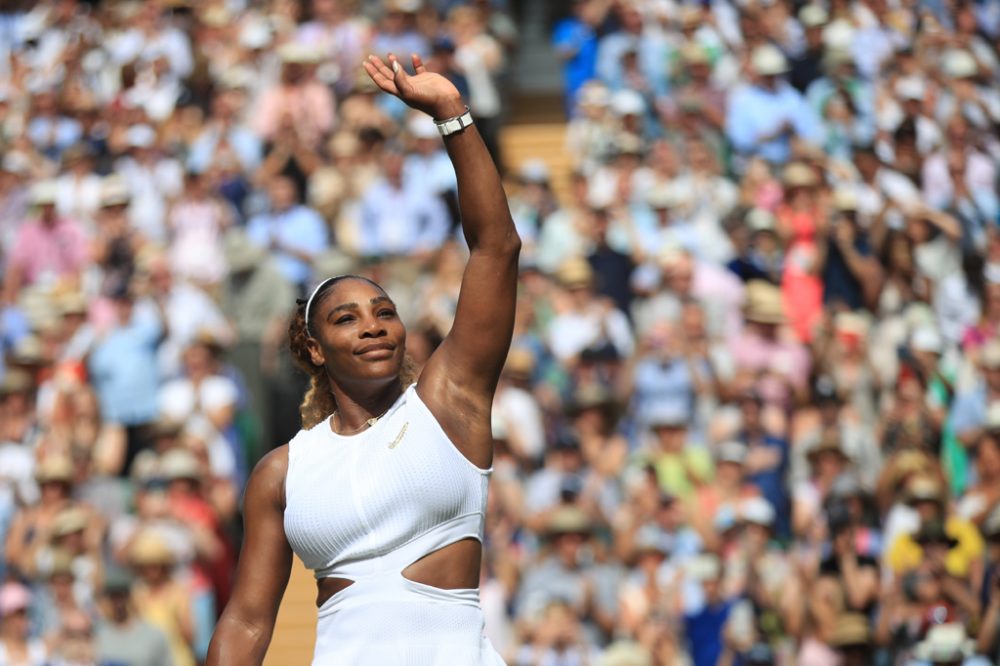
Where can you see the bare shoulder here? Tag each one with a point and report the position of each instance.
(267, 480)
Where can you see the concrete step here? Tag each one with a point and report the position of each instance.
(544, 141)
(295, 629)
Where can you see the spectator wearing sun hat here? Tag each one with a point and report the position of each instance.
(763, 116)
(16, 643)
(47, 249)
(121, 635)
(160, 597)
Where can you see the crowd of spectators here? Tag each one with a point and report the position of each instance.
(751, 413)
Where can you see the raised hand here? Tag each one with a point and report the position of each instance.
(425, 91)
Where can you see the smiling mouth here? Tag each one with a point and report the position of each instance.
(373, 349)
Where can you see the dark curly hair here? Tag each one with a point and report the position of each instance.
(318, 402)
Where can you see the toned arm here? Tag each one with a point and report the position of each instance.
(244, 630)
(458, 382)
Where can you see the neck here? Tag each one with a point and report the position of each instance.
(357, 403)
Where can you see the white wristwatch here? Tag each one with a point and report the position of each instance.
(456, 124)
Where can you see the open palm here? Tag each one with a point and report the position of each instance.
(425, 91)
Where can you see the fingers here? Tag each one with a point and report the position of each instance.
(418, 64)
(380, 74)
(398, 70)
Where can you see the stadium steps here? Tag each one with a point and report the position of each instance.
(539, 140)
(295, 629)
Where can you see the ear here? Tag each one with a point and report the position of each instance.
(315, 352)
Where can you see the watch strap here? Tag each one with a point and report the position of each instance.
(456, 124)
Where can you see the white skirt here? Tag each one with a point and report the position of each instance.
(389, 620)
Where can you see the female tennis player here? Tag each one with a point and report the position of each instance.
(383, 494)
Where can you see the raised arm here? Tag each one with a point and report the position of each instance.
(458, 381)
(244, 630)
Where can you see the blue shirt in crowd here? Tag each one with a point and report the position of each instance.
(299, 228)
(576, 41)
(124, 370)
(755, 112)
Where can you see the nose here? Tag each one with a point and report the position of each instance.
(373, 328)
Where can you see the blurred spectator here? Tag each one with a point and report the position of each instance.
(121, 636)
(294, 232)
(750, 415)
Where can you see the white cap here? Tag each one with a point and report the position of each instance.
(140, 136)
(959, 64)
(297, 52)
(838, 34)
(759, 219)
(594, 93)
(927, 339)
(627, 102)
(757, 510)
(812, 16)
(43, 193)
(421, 126)
(114, 191)
(767, 60)
(704, 567)
(534, 170)
(910, 88)
(255, 34)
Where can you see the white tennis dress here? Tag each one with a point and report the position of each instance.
(366, 506)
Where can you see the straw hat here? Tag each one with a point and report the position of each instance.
(569, 519)
(520, 361)
(114, 192)
(299, 53)
(180, 464)
(767, 60)
(575, 272)
(764, 304)
(845, 200)
(69, 521)
(924, 489)
(43, 193)
(704, 567)
(54, 467)
(594, 94)
(693, 53)
(798, 174)
(149, 548)
(959, 64)
(72, 303)
(813, 16)
(625, 653)
(16, 381)
(989, 355)
(827, 445)
(760, 219)
(851, 630)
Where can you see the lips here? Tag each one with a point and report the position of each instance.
(375, 348)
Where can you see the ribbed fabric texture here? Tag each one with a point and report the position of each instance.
(353, 501)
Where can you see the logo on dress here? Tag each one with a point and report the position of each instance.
(399, 437)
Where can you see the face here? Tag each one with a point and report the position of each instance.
(358, 334)
(282, 192)
(988, 457)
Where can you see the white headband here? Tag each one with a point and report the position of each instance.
(312, 296)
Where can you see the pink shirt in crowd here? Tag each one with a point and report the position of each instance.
(309, 106)
(42, 252)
